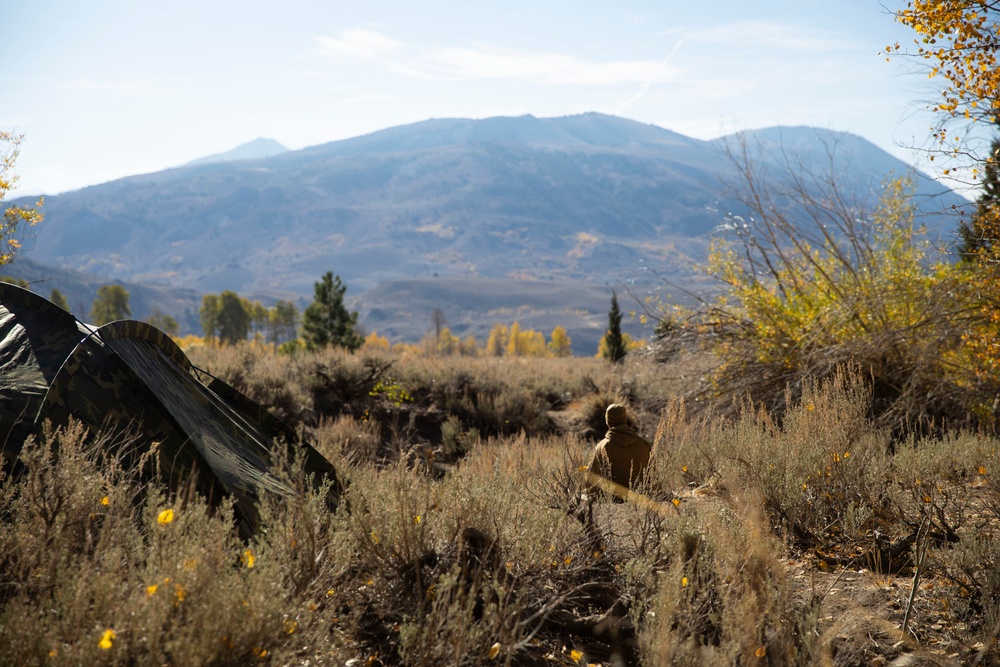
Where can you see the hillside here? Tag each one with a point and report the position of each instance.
(80, 290)
(402, 309)
(582, 200)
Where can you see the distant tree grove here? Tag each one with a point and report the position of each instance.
(229, 318)
(502, 341)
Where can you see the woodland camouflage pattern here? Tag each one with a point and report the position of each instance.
(132, 379)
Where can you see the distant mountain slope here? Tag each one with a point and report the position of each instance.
(402, 309)
(252, 150)
(587, 199)
(80, 290)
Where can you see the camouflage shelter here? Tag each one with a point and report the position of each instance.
(129, 377)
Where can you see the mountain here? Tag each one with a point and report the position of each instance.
(252, 150)
(80, 290)
(402, 309)
(584, 201)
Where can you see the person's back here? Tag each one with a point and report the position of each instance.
(622, 456)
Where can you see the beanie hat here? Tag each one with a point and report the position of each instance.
(615, 415)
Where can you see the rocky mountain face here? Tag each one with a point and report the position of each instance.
(585, 202)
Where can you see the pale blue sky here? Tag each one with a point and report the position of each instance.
(104, 89)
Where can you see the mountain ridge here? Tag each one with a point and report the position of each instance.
(251, 150)
(589, 199)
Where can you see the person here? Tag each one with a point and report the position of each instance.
(622, 456)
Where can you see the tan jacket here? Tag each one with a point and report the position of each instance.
(622, 456)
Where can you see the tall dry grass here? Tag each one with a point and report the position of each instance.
(494, 555)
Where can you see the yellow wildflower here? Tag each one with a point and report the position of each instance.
(107, 639)
(684, 582)
(165, 517)
(105, 501)
(575, 655)
(248, 558)
(150, 590)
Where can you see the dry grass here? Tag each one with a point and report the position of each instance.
(752, 543)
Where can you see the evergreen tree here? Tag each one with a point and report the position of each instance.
(58, 299)
(613, 342)
(980, 234)
(326, 321)
(111, 304)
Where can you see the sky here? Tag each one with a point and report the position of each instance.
(102, 89)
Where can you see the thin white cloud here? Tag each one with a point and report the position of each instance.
(358, 43)
(484, 62)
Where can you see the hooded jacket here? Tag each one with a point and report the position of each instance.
(622, 456)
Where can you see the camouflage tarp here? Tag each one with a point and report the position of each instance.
(131, 377)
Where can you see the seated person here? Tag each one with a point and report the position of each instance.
(622, 456)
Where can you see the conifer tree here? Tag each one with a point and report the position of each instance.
(614, 343)
(326, 321)
(980, 234)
